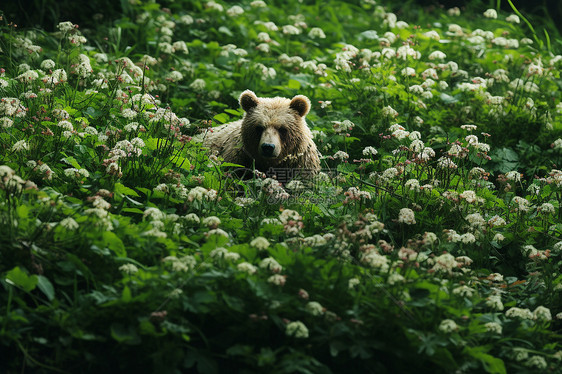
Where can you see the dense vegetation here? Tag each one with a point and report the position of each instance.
(430, 242)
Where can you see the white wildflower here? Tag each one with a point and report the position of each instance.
(20, 145)
(448, 326)
(493, 327)
(315, 308)
(491, 13)
(260, 243)
(522, 313)
(369, 151)
(128, 269)
(542, 313)
(69, 223)
(296, 329)
(246, 267)
(513, 18)
(406, 216)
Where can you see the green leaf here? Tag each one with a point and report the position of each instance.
(18, 277)
(234, 303)
(145, 191)
(70, 110)
(147, 328)
(448, 99)
(260, 289)
(336, 347)
(125, 334)
(222, 117)
(120, 188)
(183, 163)
(206, 365)
(72, 161)
(151, 143)
(48, 123)
(225, 30)
(239, 350)
(93, 113)
(216, 241)
(508, 154)
(134, 202)
(126, 295)
(294, 84)
(201, 302)
(230, 164)
(266, 357)
(132, 210)
(115, 244)
(234, 112)
(492, 365)
(445, 359)
(369, 34)
(46, 287)
(22, 211)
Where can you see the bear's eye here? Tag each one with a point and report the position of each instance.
(282, 131)
(259, 129)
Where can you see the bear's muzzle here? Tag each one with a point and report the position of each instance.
(268, 150)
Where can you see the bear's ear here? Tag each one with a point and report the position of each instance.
(300, 104)
(248, 100)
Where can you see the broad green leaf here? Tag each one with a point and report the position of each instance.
(351, 139)
(93, 113)
(448, 99)
(492, 365)
(147, 328)
(294, 84)
(234, 112)
(120, 188)
(22, 211)
(234, 303)
(72, 161)
(151, 143)
(126, 295)
(70, 110)
(369, 34)
(45, 285)
(207, 365)
(134, 202)
(239, 350)
(222, 117)
(230, 164)
(132, 210)
(115, 244)
(225, 30)
(445, 359)
(125, 334)
(19, 278)
(183, 163)
(145, 191)
(215, 241)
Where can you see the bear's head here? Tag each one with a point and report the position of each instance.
(274, 129)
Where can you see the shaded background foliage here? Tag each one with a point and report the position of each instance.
(48, 13)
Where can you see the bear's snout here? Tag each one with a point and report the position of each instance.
(267, 149)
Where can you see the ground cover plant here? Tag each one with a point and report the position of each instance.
(430, 241)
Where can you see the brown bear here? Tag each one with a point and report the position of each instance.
(272, 136)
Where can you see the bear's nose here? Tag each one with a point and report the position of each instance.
(267, 149)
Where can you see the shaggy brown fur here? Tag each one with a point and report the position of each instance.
(272, 134)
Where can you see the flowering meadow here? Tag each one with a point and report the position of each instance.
(429, 243)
